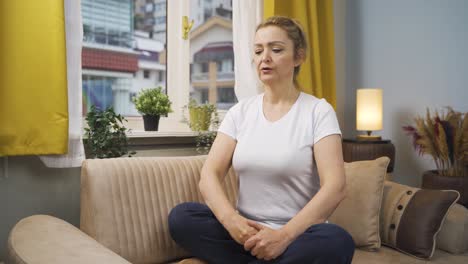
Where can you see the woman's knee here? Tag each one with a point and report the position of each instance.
(181, 216)
(340, 241)
(327, 242)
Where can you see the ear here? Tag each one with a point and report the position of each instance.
(300, 57)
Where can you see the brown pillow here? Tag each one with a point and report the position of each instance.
(359, 212)
(411, 218)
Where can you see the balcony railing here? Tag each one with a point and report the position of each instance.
(220, 76)
(120, 40)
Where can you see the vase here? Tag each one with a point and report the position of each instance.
(432, 180)
(151, 122)
(200, 119)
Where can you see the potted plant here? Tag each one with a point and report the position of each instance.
(202, 117)
(444, 136)
(105, 135)
(204, 140)
(151, 104)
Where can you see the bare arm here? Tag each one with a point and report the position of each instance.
(329, 159)
(213, 172)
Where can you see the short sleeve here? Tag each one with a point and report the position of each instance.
(228, 126)
(325, 121)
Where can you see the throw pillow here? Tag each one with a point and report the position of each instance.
(411, 218)
(359, 212)
(454, 231)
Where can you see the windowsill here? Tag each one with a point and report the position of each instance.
(139, 138)
(172, 133)
(146, 134)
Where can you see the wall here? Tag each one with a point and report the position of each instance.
(31, 188)
(416, 51)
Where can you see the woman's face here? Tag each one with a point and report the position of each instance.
(274, 55)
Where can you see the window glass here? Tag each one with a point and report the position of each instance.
(146, 74)
(211, 51)
(124, 51)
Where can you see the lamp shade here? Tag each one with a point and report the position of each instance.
(369, 109)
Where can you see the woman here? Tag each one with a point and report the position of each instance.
(285, 146)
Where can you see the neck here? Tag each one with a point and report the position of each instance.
(281, 93)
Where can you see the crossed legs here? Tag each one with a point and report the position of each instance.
(194, 227)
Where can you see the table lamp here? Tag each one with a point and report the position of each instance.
(369, 112)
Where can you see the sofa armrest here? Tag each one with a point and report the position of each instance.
(46, 239)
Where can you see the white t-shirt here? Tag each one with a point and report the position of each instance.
(274, 160)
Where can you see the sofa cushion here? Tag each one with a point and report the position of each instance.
(192, 261)
(453, 236)
(359, 212)
(386, 255)
(410, 217)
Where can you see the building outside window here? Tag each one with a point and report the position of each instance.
(107, 22)
(119, 58)
(212, 55)
(124, 51)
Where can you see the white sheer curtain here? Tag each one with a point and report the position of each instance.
(246, 15)
(74, 37)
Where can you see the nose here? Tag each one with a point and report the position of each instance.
(266, 56)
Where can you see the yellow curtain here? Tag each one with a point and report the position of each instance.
(33, 80)
(317, 75)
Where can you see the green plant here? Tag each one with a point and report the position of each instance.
(152, 102)
(444, 136)
(205, 136)
(204, 140)
(200, 115)
(105, 134)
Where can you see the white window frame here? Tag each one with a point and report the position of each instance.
(177, 63)
(178, 71)
(177, 76)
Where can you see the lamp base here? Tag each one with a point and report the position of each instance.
(368, 138)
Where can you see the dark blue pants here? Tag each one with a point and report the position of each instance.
(194, 227)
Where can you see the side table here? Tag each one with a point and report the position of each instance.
(354, 150)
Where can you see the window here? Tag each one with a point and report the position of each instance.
(125, 51)
(149, 22)
(107, 22)
(225, 95)
(204, 66)
(107, 91)
(211, 51)
(149, 7)
(146, 74)
(120, 53)
(227, 65)
(161, 7)
(161, 20)
(160, 76)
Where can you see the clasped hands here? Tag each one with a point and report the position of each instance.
(262, 242)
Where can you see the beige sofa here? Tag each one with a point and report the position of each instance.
(124, 208)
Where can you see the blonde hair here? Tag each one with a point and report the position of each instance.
(295, 33)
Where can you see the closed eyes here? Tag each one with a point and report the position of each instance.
(258, 52)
